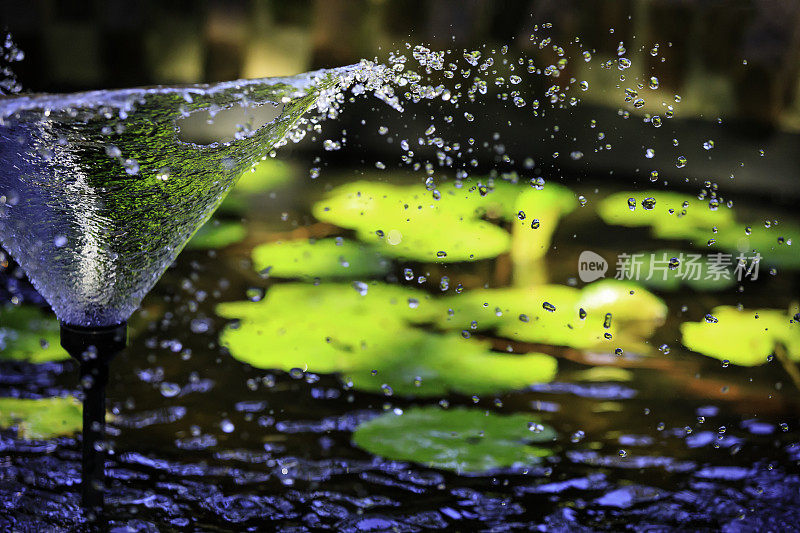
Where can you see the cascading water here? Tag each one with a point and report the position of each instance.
(99, 194)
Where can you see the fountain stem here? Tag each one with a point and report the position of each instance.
(93, 348)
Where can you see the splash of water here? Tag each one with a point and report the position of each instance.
(98, 193)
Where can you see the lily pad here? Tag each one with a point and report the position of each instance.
(366, 334)
(216, 234)
(773, 244)
(267, 175)
(410, 223)
(467, 441)
(26, 334)
(561, 315)
(692, 269)
(671, 215)
(326, 258)
(43, 418)
(678, 216)
(746, 338)
(604, 374)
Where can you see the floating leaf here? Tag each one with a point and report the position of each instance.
(215, 234)
(560, 315)
(407, 222)
(746, 338)
(673, 215)
(462, 440)
(326, 258)
(600, 374)
(773, 244)
(41, 419)
(365, 333)
(26, 334)
(693, 269)
(267, 175)
(678, 216)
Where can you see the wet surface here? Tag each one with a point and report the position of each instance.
(202, 441)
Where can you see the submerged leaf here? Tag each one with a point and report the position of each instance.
(746, 338)
(326, 258)
(463, 440)
(43, 418)
(26, 334)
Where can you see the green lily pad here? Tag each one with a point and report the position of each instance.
(267, 175)
(326, 258)
(216, 234)
(369, 339)
(603, 374)
(746, 338)
(410, 223)
(695, 270)
(407, 222)
(41, 419)
(467, 441)
(673, 215)
(773, 244)
(26, 334)
(551, 314)
(678, 216)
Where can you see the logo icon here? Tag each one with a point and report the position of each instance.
(591, 266)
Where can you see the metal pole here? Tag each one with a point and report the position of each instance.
(93, 348)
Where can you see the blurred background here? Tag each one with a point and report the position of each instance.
(734, 66)
(75, 44)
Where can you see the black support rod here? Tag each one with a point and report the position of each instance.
(93, 348)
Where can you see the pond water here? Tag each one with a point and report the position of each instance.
(204, 441)
(364, 346)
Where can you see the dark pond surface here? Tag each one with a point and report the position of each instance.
(204, 442)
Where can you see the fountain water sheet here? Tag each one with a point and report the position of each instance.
(99, 193)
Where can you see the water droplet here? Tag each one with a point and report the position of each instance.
(255, 294)
(361, 287)
(169, 390)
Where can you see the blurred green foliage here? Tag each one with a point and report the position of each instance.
(27, 334)
(744, 337)
(42, 418)
(325, 258)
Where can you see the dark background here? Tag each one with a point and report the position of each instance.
(735, 62)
